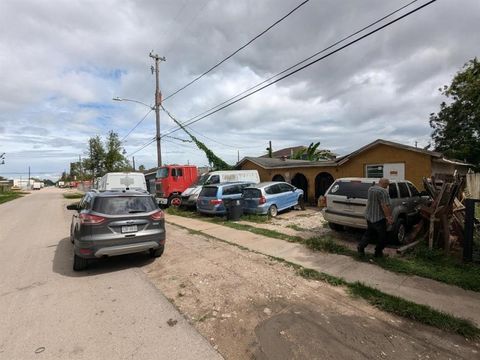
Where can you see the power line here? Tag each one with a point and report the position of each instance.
(141, 120)
(191, 121)
(142, 147)
(238, 50)
(301, 62)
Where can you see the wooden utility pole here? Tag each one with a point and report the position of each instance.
(158, 102)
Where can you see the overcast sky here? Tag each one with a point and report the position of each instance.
(62, 62)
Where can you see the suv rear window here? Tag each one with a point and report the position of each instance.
(252, 193)
(209, 191)
(123, 205)
(351, 189)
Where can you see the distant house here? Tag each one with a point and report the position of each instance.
(286, 153)
(380, 158)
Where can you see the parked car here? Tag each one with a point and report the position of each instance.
(114, 223)
(346, 201)
(190, 195)
(214, 199)
(271, 197)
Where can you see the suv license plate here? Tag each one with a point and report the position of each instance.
(129, 229)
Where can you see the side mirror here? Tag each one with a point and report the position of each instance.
(73, 207)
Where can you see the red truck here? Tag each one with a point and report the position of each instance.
(168, 182)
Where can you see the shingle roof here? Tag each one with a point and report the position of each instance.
(273, 163)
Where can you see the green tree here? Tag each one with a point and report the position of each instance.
(141, 168)
(95, 157)
(114, 154)
(312, 153)
(456, 127)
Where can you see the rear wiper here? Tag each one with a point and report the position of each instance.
(135, 211)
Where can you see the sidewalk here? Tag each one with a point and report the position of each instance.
(440, 296)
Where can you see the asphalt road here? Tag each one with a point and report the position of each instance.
(109, 312)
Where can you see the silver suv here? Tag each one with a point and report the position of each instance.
(114, 223)
(346, 201)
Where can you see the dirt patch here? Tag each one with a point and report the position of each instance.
(250, 306)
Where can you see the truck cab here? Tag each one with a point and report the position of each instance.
(168, 182)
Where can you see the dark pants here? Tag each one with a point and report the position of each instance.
(376, 230)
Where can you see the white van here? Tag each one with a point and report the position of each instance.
(122, 181)
(190, 195)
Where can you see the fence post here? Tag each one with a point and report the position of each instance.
(469, 220)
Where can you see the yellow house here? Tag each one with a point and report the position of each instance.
(380, 158)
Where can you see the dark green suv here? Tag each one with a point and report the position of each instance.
(114, 223)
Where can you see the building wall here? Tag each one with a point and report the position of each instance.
(417, 166)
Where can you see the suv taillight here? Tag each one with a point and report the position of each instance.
(159, 215)
(262, 200)
(89, 219)
(215, 202)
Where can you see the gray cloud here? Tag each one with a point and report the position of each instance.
(62, 64)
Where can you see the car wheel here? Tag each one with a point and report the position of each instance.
(336, 227)
(79, 263)
(272, 211)
(155, 253)
(301, 203)
(175, 201)
(399, 232)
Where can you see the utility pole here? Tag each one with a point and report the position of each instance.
(158, 102)
(269, 149)
(133, 160)
(29, 176)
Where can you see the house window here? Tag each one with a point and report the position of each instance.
(374, 171)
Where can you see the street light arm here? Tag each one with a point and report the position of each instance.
(135, 101)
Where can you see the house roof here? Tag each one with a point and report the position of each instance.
(285, 152)
(345, 158)
(273, 163)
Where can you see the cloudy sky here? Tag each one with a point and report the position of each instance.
(62, 62)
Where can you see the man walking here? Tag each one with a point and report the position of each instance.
(378, 213)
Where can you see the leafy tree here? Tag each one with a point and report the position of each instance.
(141, 168)
(312, 153)
(95, 159)
(456, 127)
(105, 157)
(114, 156)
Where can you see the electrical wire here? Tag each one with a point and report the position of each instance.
(142, 147)
(209, 113)
(238, 50)
(303, 61)
(136, 125)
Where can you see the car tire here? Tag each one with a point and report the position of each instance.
(301, 203)
(399, 232)
(272, 211)
(175, 201)
(155, 253)
(336, 227)
(79, 263)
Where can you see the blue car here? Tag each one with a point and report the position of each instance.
(213, 198)
(271, 197)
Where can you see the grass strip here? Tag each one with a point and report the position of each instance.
(410, 310)
(9, 196)
(430, 264)
(75, 195)
(388, 303)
